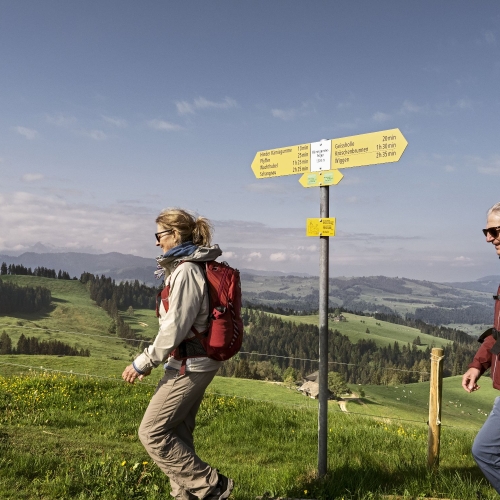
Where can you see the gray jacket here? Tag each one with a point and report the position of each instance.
(188, 306)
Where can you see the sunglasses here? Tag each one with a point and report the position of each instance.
(492, 231)
(162, 232)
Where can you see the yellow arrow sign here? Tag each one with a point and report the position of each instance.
(355, 151)
(325, 178)
(282, 161)
(321, 227)
(368, 149)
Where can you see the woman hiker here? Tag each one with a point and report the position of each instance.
(486, 447)
(167, 427)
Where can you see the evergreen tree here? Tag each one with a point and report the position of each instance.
(5, 344)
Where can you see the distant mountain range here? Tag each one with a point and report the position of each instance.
(467, 304)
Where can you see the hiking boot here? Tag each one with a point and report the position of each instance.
(222, 490)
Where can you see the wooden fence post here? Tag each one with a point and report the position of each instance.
(435, 393)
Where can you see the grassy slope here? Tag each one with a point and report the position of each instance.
(383, 335)
(73, 319)
(75, 438)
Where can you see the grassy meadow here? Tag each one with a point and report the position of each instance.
(68, 436)
(381, 332)
(68, 425)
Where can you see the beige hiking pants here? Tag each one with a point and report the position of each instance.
(166, 432)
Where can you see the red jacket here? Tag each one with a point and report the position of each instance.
(484, 359)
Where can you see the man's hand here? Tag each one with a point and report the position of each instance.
(130, 374)
(470, 378)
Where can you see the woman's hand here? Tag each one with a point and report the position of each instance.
(130, 374)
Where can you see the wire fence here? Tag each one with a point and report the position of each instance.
(312, 404)
(248, 353)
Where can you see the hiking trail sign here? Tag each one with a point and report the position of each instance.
(318, 163)
(386, 146)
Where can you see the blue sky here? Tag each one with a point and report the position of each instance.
(113, 110)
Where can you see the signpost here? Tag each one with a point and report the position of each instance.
(318, 164)
(355, 151)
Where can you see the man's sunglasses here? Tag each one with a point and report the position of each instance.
(166, 231)
(492, 231)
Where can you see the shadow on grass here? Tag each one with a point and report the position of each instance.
(60, 301)
(360, 481)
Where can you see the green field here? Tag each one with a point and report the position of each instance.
(69, 424)
(76, 437)
(381, 332)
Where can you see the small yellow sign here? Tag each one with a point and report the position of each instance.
(325, 178)
(321, 227)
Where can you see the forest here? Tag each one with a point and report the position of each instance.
(32, 345)
(113, 298)
(359, 363)
(23, 299)
(265, 334)
(20, 270)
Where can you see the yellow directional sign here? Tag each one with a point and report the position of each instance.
(385, 146)
(320, 227)
(325, 178)
(282, 161)
(368, 149)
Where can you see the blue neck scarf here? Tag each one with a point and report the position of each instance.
(182, 250)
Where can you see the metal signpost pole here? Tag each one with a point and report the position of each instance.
(323, 337)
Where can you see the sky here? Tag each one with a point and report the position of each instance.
(111, 111)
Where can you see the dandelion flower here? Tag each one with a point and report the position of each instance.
(124, 463)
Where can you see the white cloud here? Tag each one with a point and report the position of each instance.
(487, 38)
(60, 120)
(381, 117)
(163, 125)
(229, 255)
(32, 177)
(253, 255)
(185, 107)
(490, 38)
(306, 108)
(97, 135)
(278, 257)
(410, 107)
(449, 168)
(490, 166)
(464, 104)
(26, 132)
(116, 122)
(462, 262)
(284, 114)
(72, 226)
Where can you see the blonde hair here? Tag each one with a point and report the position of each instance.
(187, 226)
(495, 208)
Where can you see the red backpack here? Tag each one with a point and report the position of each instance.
(224, 335)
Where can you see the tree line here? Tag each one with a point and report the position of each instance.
(114, 298)
(24, 299)
(32, 345)
(44, 272)
(362, 362)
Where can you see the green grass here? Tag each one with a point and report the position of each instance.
(70, 438)
(381, 332)
(73, 319)
(74, 437)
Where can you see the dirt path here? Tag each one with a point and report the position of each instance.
(343, 406)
